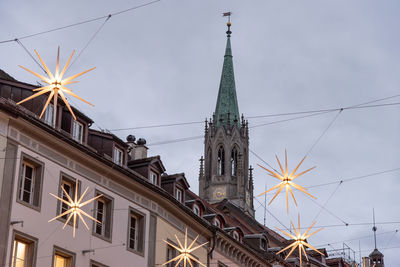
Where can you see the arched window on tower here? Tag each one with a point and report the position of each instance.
(234, 161)
(221, 161)
(208, 164)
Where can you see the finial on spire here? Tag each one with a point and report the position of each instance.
(228, 14)
(374, 228)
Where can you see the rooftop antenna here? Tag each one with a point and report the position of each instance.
(374, 228)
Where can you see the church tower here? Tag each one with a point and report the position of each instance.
(224, 171)
(376, 257)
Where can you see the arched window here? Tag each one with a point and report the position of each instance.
(236, 236)
(217, 223)
(221, 161)
(234, 161)
(196, 210)
(208, 164)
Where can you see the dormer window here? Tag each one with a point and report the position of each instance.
(263, 244)
(77, 131)
(196, 210)
(49, 115)
(179, 195)
(236, 236)
(117, 156)
(217, 223)
(153, 178)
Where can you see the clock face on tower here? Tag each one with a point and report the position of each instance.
(219, 193)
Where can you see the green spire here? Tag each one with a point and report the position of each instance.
(227, 100)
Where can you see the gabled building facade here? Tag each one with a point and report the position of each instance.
(38, 158)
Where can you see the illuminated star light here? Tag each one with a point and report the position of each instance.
(75, 207)
(184, 252)
(56, 84)
(286, 181)
(299, 241)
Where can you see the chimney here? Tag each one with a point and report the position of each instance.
(366, 262)
(138, 149)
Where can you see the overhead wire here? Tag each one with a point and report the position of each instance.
(323, 207)
(90, 40)
(255, 126)
(314, 112)
(81, 22)
(273, 216)
(355, 239)
(354, 178)
(323, 133)
(29, 53)
(390, 240)
(352, 224)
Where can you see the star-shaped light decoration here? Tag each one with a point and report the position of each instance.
(75, 207)
(55, 85)
(286, 181)
(185, 252)
(299, 241)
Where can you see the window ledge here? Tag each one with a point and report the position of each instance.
(26, 204)
(107, 239)
(135, 251)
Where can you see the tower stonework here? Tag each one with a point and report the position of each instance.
(224, 172)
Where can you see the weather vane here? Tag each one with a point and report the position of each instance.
(55, 85)
(286, 181)
(227, 14)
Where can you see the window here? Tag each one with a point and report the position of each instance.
(77, 131)
(96, 264)
(136, 231)
(30, 182)
(49, 115)
(19, 255)
(236, 236)
(172, 253)
(63, 258)
(196, 210)
(221, 161)
(234, 162)
(69, 185)
(263, 244)
(179, 194)
(217, 223)
(208, 164)
(153, 178)
(23, 250)
(103, 212)
(117, 157)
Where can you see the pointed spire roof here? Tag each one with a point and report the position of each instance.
(227, 105)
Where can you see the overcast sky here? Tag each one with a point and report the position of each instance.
(162, 64)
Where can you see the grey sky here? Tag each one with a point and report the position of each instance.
(162, 64)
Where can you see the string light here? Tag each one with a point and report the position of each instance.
(185, 252)
(55, 85)
(75, 208)
(286, 181)
(299, 241)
